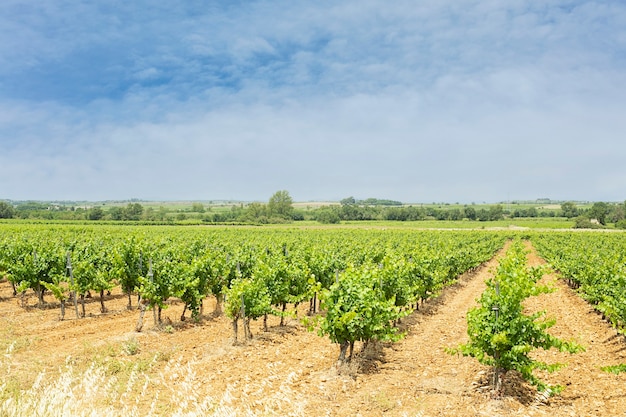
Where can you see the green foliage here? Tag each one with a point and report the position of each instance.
(395, 280)
(272, 271)
(379, 202)
(94, 267)
(496, 212)
(253, 296)
(569, 209)
(95, 213)
(160, 282)
(59, 289)
(256, 299)
(615, 369)
(129, 265)
(328, 216)
(35, 264)
(133, 211)
(190, 287)
(469, 212)
(323, 262)
(280, 205)
(593, 263)
(500, 334)
(583, 222)
(197, 208)
(6, 210)
(355, 310)
(277, 267)
(285, 275)
(599, 211)
(210, 270)
(348, 201)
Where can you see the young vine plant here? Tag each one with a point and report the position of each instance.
(501, 335)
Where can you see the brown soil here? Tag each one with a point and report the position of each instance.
(291, 371)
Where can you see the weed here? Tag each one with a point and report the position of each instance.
(131, 347)
(15, 344)
(9, 389)
(163, 356)
(382, 401)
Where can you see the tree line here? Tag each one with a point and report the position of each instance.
(280, 209)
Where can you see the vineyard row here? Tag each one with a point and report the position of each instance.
(364, 280)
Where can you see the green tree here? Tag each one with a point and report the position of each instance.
(6, 210)
(133, 211)
(482, 215)
(496, 212)
(599, 211)
(95, 213)
(455, 214)
(328, 215)
(256, 212)
(197, 208)
(280, 205)
(116, 213)
(469, 212)
(348, 201)
(569, 209)
(617, 213)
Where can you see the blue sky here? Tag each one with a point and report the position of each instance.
(417, 101)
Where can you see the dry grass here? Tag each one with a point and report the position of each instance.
(177, 390)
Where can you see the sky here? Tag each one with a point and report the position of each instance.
(415, 101)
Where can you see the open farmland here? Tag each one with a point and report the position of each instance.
(100, 364)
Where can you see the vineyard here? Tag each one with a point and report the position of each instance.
(130, 320)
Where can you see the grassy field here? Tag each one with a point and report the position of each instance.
(530, 223)
(526, 223)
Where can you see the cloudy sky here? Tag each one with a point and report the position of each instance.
(417, 101)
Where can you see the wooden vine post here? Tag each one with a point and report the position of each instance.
(39, 290)
(140, 273)
(496, 354)
(154, 310)
(70, 273)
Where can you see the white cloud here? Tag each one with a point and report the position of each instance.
(463, 101)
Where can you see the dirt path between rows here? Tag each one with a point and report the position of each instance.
(193, 369)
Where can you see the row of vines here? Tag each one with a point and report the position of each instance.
(363, 280)
(595, 265)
